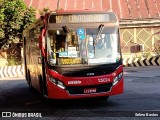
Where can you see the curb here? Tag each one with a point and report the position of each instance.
(136, 62)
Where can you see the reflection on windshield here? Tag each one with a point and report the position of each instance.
(78, 46)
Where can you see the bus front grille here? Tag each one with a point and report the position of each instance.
(80, 89)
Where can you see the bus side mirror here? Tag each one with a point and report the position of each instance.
(42, 42)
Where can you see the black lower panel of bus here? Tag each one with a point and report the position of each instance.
(89, 89)
(86, 70)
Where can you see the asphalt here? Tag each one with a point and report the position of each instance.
(147, 71)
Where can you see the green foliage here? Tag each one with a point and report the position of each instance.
(12, 58)
(29, 17)
(14, 18)
(44, 11)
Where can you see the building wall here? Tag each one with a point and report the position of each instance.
(148, 37)
(11, 55)
(3, 58)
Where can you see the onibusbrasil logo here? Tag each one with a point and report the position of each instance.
(16, 114)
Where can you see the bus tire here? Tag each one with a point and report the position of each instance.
(44, 78)
(42, 87)
(28, 77)
(29, 80)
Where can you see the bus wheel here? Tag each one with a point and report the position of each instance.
(29, 80)
(41, 85)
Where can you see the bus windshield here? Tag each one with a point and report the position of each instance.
(83, 46)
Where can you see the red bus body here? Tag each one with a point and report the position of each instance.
(69, 81)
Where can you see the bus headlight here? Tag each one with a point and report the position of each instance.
(53, 80)
(60, 84)
(117, 78)
(57, 83)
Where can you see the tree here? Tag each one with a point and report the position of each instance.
(14, 18)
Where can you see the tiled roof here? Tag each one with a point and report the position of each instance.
(125, 9)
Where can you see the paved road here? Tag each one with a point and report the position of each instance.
(141, 95)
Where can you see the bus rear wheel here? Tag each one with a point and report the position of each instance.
(29, 80)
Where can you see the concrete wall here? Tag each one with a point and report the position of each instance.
(12, 71)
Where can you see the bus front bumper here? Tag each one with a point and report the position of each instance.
(55, 92)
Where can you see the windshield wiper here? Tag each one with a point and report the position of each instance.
(95, 40)
(66, 29)
(100, 29)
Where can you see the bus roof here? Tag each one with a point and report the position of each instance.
(73, 13)
(79, 11)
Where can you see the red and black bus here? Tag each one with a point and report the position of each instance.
(70, 54)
